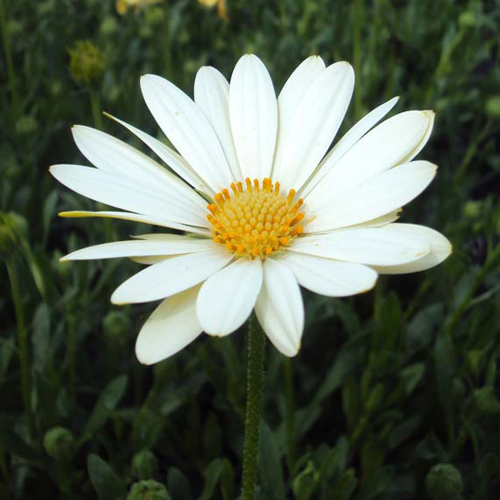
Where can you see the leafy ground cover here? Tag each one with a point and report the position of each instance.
(394, 394)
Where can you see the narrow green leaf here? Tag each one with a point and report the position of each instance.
(270, 469)
(106, 483)
(106, 403)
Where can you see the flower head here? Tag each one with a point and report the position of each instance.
(262, 203)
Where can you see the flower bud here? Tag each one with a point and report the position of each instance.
(58, 443)
(492, 107)
(145, 31)
(444, 482)
(472, 209)
(116, 326)
(485, 402)
(26, 125)
(109, 26)
(148, 490)
(467, 19)
(144, 465)
(154, 16)
(14, 27)
(86, 63)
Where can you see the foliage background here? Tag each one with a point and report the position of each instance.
(387, 385)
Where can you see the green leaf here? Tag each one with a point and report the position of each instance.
(178, 485)
(49, 210)
(351, 403)
(227, 480)
(411, 376)
(147, 428)
(106, 403)
(106, 483)
(335, 462)
(305, 482)
(345, 362)
(7, 351)
(345, 486)
(41, 336)
(211, 475)
(377, 483)
(488, 473)
(12, 442)
(387, 322)
(403, 431)
(270, 470)
(444, 363)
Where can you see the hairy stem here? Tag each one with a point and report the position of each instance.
(256, 343)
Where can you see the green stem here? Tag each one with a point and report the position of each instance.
(23, 343)
(290, 413)
(71, 346)
(357, 12)
(8, 55)
(374, 35)
(168, 48)
(256, 343)
(95, 102)
(471, 153)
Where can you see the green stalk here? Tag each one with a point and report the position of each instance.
(8, 55)
(95, 103)
(71, 346)
(23, 344)
(167, 42)
(290, 412)
(256, 344)
(357, 10)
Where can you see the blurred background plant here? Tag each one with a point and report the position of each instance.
(394, 394)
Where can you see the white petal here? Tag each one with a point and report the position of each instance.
(381, 221)
(348, 140)
(377, 197)
(168, 238)
(253, 113)
(280, 309)
(330, 277)
(150, 260)
(315, 124)
(171, 276)
(211, 94)
(440, 249)
(375, 246)
(176, 246)
(174, 160)
(227, 298)
(125, 194)
(418, 147)
(382, 148)
(116, 157)
(146, 219)
(291, 96)
(183, 122)
(171, 327)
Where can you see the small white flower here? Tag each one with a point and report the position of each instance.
(262, 205)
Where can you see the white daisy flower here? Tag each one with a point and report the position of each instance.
(261, 203)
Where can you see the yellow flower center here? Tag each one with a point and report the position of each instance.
(255, 220)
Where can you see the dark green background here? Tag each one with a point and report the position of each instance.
(386, 385)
